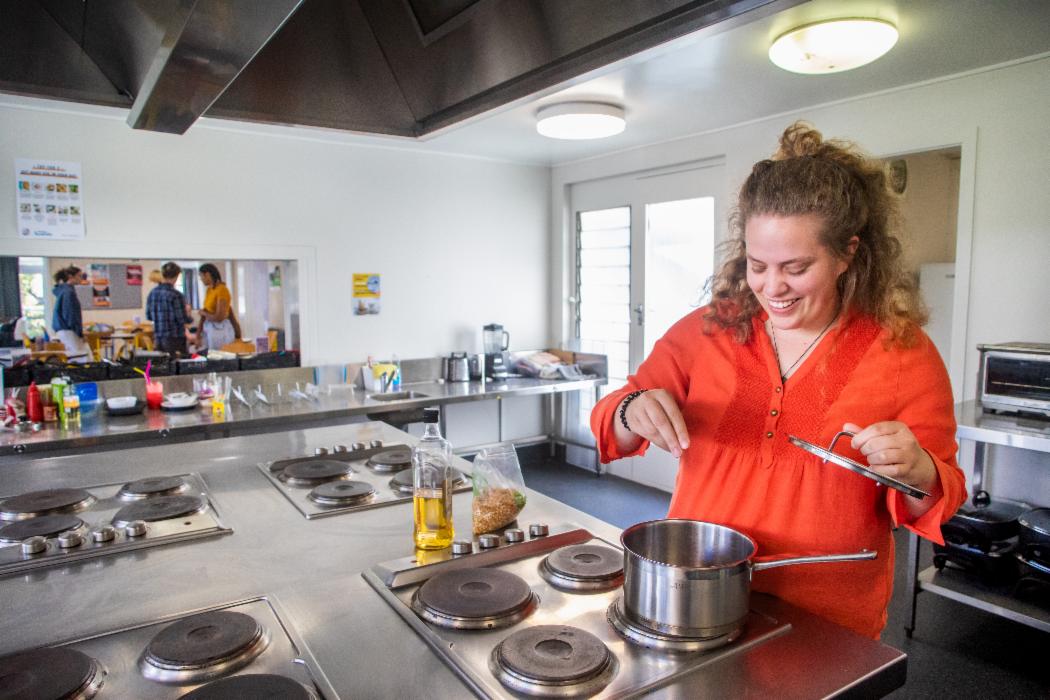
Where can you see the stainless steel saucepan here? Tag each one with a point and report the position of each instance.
(687, 578)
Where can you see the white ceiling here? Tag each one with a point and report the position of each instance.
(720, 78)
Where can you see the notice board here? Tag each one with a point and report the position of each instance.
(116, 293)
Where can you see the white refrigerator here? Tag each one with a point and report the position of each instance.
(937, 284)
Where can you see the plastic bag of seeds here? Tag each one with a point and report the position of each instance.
(499, 490)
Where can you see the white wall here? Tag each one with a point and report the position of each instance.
(998, 117)
(459, 241)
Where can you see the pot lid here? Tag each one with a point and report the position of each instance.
(1037, 519)
(985, 510)
(835, 458)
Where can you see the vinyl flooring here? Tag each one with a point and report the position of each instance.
(956, 652)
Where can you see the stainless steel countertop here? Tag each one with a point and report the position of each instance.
(1002, 429)
(312, 567)
(98, 429)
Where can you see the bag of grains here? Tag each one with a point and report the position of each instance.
(499, 490)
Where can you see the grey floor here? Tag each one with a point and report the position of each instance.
(956, 652)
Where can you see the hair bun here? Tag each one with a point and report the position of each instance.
(799, 139)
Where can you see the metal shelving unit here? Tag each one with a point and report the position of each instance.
(984, 430)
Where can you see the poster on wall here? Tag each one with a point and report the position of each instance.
(134, 275)
(99, 275)
(366, 294)
(49, 199)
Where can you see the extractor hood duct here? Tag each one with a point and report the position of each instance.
(398, 67)
(206, 45)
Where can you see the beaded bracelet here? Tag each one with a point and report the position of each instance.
(626, 402)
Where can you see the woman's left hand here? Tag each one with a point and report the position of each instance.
(892, 449)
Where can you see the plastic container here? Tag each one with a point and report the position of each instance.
(87, 391)
(432, 486)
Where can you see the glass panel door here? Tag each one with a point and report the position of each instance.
(603, 288)
(679, 259)
(644, 252)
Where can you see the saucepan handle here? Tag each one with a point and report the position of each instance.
(760, 563)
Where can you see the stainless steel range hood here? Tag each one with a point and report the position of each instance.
(397, 67)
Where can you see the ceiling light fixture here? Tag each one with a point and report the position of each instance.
(580, 120)
(833, 45)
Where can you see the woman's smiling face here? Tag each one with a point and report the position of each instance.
(791, 272)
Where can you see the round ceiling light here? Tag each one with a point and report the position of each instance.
(580, 120)
(833, 45)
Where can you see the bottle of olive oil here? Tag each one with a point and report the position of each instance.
(431, 478)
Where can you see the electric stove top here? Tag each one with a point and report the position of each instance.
(240, 650)
(542, 616)
(56, 527)
(347, 479)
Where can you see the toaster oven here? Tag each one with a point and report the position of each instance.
(1015, 378)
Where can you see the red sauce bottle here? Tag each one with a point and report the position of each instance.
(34, 406)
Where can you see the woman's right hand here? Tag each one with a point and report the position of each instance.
(654, 416)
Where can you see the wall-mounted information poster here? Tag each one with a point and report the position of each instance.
(49, 199)
(366, 294)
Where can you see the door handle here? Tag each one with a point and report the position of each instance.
(640, 312)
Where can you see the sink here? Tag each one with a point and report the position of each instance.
(398, 396)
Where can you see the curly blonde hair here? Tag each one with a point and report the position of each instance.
(850, 192)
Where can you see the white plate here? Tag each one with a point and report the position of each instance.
(189, 403)
(119, 402)
(179, 398)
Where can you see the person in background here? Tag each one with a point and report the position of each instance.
(813, 328)
(216, 328)
(12, 332)
(166, 307)
(21, 331)
(156, 277)
(67, 320)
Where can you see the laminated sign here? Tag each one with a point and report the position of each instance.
(50, 199)
(366, 293)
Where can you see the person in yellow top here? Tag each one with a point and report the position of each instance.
(216, 327)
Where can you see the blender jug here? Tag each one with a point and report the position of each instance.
(495, 339)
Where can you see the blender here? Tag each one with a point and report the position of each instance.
(495, 341)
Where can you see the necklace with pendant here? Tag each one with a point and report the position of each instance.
(773, 335)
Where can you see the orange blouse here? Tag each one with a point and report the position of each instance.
(741, 471)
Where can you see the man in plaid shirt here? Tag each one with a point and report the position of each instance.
(166, 307)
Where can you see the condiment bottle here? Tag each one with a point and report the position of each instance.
(58, 393)
(34, 406)
(71, 404)
(432, 486)
(50, 408)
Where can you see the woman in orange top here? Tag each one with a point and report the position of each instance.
(813, 328)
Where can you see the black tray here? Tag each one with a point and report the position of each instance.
(16, 376)
(130, 411)
(270, 360)
(198, 367)
(43, 373)
(162, 367)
